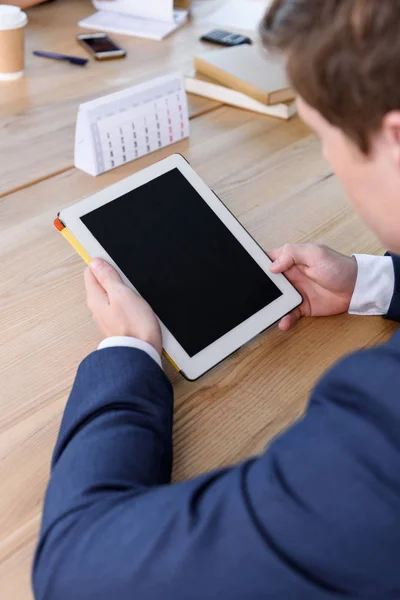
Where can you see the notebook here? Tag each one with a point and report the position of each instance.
(249, 70)
(201, 85)
(153, 19)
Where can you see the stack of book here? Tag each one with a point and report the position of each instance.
(246, 77)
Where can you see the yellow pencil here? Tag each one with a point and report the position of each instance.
(72, 240)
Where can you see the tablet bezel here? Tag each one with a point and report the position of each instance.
(191, 367)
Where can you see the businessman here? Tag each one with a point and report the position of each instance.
(317, 516)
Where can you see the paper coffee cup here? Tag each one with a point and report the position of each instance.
(12, 23)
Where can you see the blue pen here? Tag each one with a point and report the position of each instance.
(74, 60)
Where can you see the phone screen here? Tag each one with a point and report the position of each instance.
(100, 44)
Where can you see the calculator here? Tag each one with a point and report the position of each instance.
(225, 38)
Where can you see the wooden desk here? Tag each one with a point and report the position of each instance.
(38, 112)
(271, 175)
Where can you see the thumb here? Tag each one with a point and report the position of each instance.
(105, 274)
(289, 255)
(96, 296)
(290, 320)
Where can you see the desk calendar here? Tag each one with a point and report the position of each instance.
(126, 125)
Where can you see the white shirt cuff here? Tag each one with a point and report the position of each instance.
(374, 286)
(131, 342)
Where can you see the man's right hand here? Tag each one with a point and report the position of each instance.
(116, 309)
(325, 278)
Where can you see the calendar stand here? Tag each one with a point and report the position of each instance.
(126, 125)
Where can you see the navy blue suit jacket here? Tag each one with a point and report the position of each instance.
(317, 516)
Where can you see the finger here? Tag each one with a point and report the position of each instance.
(96, 295)
(290, 320)
(274, 253)
(105, 274)
(291, 254)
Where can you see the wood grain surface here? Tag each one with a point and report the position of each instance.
(271, 175)
(38, 112)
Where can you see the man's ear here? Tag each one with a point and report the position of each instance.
(391, 134)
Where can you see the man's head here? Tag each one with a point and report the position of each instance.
(343, 59)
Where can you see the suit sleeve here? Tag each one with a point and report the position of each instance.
(394, 308)
(317, 516)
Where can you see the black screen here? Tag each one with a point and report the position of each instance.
(182, 259)
(101, 44)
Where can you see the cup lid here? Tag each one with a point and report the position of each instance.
(12, 17)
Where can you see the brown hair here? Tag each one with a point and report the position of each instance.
(343, 58)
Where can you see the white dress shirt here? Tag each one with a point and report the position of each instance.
(374, 286)
(131, 342)
(372, 296)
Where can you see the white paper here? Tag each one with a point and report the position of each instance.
(126, 25)
(240, 14)
(126, 125)
(159, 10)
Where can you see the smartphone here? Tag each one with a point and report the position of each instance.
(100, 46)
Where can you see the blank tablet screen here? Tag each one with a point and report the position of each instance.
(182, 259)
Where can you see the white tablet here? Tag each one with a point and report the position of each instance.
(175, 243)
